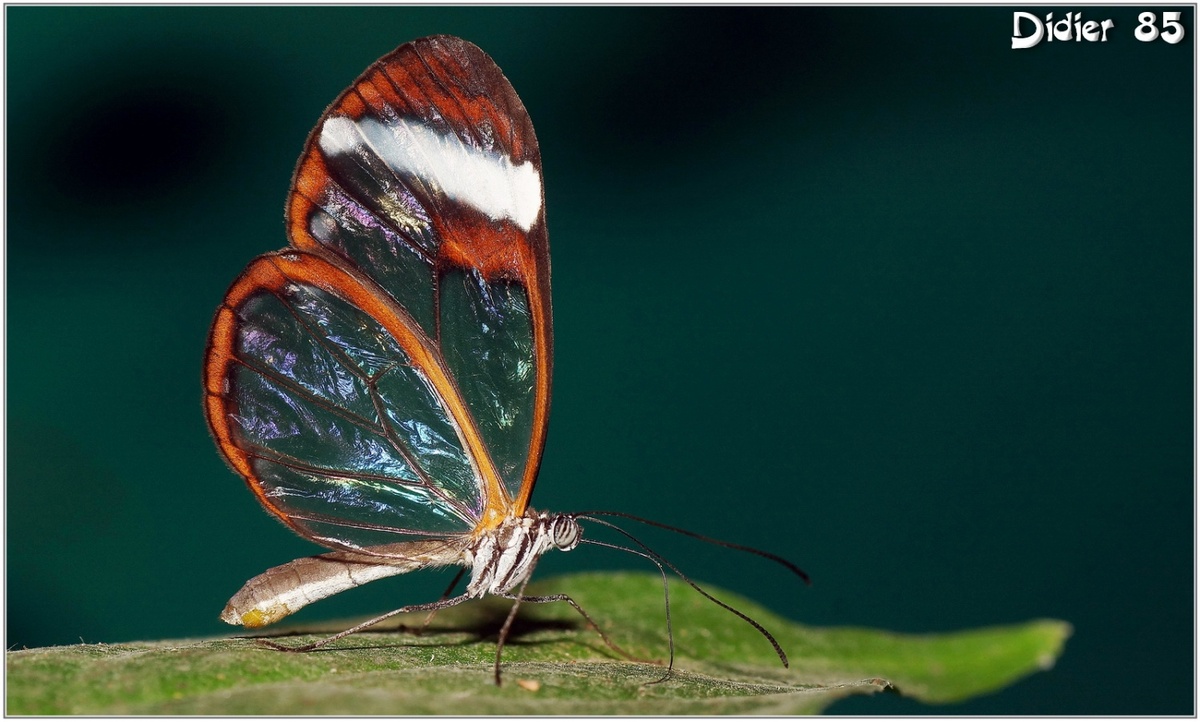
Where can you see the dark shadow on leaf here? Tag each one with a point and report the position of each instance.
(484, 625)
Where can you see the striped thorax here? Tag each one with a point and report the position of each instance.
(502, 558)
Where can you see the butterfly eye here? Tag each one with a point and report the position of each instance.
(565, 533)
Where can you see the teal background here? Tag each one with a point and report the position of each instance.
(863, 286)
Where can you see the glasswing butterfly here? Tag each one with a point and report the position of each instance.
(383, 384)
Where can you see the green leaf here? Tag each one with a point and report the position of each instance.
(553, 663)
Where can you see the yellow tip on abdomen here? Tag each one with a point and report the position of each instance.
(255, 618)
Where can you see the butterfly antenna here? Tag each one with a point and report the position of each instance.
(707, 539)
(658, 559)
(666, 597)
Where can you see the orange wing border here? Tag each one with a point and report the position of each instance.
(272, 273)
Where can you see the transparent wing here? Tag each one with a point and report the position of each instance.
(335, 411)
(425, 175)
(392, 377)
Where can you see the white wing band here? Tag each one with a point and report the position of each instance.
(484, 180)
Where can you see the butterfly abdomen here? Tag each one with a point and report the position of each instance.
(284, 589)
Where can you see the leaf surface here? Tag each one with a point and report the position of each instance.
(553, 663)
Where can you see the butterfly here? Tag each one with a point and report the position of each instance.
(383, 384)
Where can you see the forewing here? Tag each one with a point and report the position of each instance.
(425, 175)
(392, 376)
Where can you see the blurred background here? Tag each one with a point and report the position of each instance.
(862, 286)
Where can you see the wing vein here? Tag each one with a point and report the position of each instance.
(436, 77)
(375, 210)
(348, 524)
(390, 434)
(380, 429)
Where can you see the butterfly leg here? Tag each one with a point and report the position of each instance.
(591, 622)
(427, 607)
(445, 595)
(508, 621)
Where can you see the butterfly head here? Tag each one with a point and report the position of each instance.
(564, 531)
